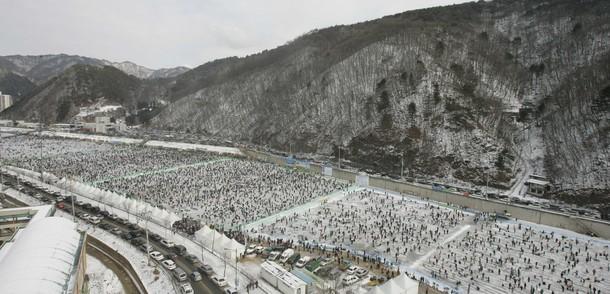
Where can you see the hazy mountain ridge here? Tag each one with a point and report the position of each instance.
(41, 68)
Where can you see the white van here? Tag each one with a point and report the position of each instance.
(180, 274)
(288, 253)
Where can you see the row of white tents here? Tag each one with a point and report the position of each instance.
(218, 242)
(97, 196)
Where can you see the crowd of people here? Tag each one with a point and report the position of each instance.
(396, 227)
(222, 191)
(501, 257)
(227, 193)
(88, 161)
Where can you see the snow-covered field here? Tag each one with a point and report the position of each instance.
(399, 229)
(451, 247)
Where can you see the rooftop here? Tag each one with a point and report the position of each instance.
(41, 258)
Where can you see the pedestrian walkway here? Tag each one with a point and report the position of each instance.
(161, 171)
(332, 197)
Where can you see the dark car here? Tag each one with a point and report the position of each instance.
(133, 226)
(179, 249)
(87, 206)
(137, 233)
(95, 209)
(105, 213)
(154, 237)
(105, 226)
(191, 258)
(127, 236)
(137, 241)
(206, 270)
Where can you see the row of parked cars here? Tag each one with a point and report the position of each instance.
(136, 235)
(287, 256)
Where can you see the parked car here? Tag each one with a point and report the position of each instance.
(127, 236)
(156, 255)
(115, 231)
(146, 248)
(169, 264)
(286, 255)
(167, 244)
(154, 237)
(231, 291)
(206, 270)
(137, 241)
(179, 274)
(179, 249)
(251, 249)
(220, 281)
(196, 276)
(191, 258)
(186, 289)
(351, 270)
(349, 280)
(362, 272)
(274, 255)
(303, 261)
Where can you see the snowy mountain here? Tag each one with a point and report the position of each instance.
(476, 92)
(147, 73)
(463, 92)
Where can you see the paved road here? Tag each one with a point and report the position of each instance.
(128, 278)
(204, 286)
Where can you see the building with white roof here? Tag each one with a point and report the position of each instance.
(47, 255)
(537, 185)
(281, 279)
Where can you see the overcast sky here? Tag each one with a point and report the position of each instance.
(157, 33)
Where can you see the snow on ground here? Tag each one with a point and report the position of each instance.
(189, 146)
(102, 280)
(397, 229)
(87, 111)
(97, 138)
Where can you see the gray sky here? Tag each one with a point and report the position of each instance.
(164, 33)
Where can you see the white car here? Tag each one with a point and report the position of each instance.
(166, 243)
(231, 291)
(251, 249)
(351, 270)
(303, 261)
(362, 272)
(186, 289)
(349, 279)
(94, 220)
(220, 281)
(156, 255)
(169, 264)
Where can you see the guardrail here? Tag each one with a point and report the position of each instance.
(120, 260)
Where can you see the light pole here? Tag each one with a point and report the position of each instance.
(402, 166)
(147, 215)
